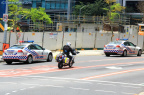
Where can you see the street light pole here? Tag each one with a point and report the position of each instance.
(5, 25)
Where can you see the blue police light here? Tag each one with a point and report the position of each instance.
(30, 41)
(124, 39)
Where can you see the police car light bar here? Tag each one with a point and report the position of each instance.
(124, 39)
(30, 41)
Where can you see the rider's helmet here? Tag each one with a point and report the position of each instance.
(68, 43)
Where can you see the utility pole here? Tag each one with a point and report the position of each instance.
(69, 9)
(5, 25)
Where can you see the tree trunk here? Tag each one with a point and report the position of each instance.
(112, 33)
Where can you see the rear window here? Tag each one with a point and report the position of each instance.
(17, 47)
(116, 42)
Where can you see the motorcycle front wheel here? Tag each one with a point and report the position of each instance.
(60, 65)
(70, 64)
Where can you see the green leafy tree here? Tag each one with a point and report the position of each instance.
(91, 9)
(17, 12)
(113, 13)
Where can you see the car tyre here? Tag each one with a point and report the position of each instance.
(29, 59)
(9, 62)
(139, 53)
(107, 55)
(124, 53)
(50, 57)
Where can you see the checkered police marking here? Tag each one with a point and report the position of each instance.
(113, 51)
(15, 57)
(30, 51)
(127, 48)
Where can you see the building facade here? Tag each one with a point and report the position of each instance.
(54, 8)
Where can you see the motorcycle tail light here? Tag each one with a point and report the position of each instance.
(60, 56)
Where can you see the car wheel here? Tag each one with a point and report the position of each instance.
(49, 58)
(8, 62)
(107, 55)
(139, 53)
(124, 53)
(29, 59)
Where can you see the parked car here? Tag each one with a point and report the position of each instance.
(26, 52)
(122, 47)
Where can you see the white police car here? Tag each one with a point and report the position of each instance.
(26, 52)
(122, 47)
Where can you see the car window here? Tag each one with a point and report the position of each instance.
(17, 47)
(38, 47)
(131, 44)
(126, 44)
(32, 47)
(116, 42)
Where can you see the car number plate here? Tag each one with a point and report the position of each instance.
(110, 47)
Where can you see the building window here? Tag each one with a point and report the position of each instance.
(47, 5)
(62, 6)
(38, 4)
(53, 5)
(57, 5)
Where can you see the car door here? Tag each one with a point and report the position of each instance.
(133, 47)
(34, 51)
(127, 47)
(42, 54)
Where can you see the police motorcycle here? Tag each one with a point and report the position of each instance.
(63, 60)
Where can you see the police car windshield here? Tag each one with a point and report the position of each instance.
(116, 42)
(17, 47)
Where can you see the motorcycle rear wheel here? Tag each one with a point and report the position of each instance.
(60, 65)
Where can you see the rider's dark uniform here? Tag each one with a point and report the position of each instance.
(66, 50)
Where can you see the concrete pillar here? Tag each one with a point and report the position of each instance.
(68, 9)
(124, 3)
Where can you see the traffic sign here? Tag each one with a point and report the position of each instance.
(5, 17)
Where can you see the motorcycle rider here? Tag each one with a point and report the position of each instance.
(67, 49)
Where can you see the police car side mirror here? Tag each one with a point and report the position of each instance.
(43, 48)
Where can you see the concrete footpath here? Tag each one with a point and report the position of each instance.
(82, 53)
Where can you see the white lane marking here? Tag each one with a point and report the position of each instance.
(14, 91)
(129, 93)
(106, 84)
(29, 84)
(59, 78)
(114, 67)
(126, 65)
(9, 82)
(7, 93)
(78, 88)
(83, 82)
(23, 89)
(32, 87)
(53, 86)
(106, 91)
(131, 86)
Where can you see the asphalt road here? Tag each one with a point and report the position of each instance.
(90, 75)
